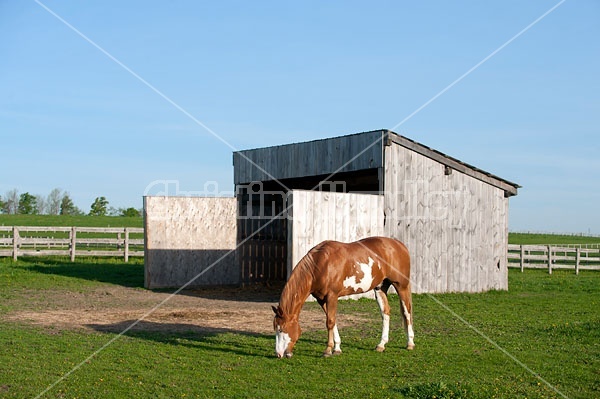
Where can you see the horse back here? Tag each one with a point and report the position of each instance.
(351, 268)
(392, 255)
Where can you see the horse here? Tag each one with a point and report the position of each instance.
(333, 269)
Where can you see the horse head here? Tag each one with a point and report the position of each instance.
(287, 332)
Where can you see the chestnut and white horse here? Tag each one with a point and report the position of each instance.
(333, 269)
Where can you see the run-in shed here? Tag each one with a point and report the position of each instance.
(452, 216)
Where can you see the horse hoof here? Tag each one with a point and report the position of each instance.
(337, 353)
(327, 354)
(380, 348)
(410, 347)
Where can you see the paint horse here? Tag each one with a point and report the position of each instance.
(333, 269)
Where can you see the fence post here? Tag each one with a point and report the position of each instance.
(15, 242)
(73, 237)
(577, 259)
(549, 259)
(522, 258)
(126, 249)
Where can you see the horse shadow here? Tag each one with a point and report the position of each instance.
(197, 337)
(221, 340)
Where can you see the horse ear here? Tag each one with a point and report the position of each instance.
(277, 310)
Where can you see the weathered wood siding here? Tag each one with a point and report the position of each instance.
(339, 154)
(190, 238)
(318, 216)
(455, 226)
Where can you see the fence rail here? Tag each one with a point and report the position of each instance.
(122, 242)
(552, 257)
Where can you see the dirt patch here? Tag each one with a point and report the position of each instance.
(116, 309)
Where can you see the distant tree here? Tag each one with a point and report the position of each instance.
(67, 207)
(27, 204)
(41, 205)
(2, 205)
(99, 207)
(130, 212)
(54, 202)
(11, 202)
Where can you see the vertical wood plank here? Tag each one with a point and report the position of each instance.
(126, 245)
(15, 243)
(522, 260)
(73, 237)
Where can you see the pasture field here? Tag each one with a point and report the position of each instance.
(550, 239)
(67, 221)
(62, 328)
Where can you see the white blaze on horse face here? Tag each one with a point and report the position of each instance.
(282, 340)
(364, 284)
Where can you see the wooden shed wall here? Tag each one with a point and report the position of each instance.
(455, 226)
(185, 236)
(318, 216)
(340, 154)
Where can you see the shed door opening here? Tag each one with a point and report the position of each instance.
(262, 235)
(263, 220)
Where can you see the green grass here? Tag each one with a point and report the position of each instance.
(65, 220)
(549, 323)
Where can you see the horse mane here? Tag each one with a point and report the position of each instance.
(299, 285)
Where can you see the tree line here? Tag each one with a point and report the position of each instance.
(58, 202)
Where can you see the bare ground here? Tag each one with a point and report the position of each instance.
(116, 309)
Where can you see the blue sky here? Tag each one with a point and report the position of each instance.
(265, 73)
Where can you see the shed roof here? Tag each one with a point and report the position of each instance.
(341, 154)
(509, 187)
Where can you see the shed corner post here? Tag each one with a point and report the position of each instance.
(291, 241)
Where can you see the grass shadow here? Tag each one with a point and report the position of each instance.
(259, 293)
(129, 274)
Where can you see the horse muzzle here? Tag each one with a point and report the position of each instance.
(284, 354)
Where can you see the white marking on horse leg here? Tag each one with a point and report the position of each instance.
(411, 336)
(409, 328)
(386, 321)
(337, 340)
(282, 340)
(384, 333)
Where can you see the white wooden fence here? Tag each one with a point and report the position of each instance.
(18, 241)
(584, 257)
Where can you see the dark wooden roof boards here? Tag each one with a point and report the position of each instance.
(343, 154)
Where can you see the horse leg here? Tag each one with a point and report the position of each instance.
(407, 314)
(333, 336)
(384, 308)
(337, 340)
